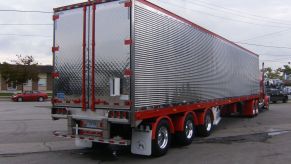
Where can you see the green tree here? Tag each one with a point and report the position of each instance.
(286, 69)
(273, 74)
(20, 70)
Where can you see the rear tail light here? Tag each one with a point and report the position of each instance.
(124, 115)
(99, 101)
(91, 133)
(77, 101)
(118, 114)
(127, 103)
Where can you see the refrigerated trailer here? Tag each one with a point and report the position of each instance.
(134, 74)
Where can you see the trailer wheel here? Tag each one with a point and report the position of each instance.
(205, 129)
(161, 143)
(185, 138)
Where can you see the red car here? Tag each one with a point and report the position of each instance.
(30, 96)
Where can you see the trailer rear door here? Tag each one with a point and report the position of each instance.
(68, 39)
(92, 56)
(112, 55)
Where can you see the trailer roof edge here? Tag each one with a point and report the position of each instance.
(82, 4)
(146, 2)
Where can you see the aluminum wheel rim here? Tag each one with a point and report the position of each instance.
(40, 99)
(189, 129)
(208, 123)
(163, 137)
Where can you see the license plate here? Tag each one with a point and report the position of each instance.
(91, 124)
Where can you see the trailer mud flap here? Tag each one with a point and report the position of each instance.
(216, 115)
(141, 142)
(83, 143)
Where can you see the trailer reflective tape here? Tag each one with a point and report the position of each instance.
(55, 75)
(127, 72)
(128, 4)
(93, 59)
(94, 139)
(122, 142)
(77, 101)
(84, 60)
(55, 49)
(128, 42)
(55, 17)
(151, 113)
(78, 5)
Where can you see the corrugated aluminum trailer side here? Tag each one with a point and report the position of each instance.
(176, 62)
(133, 73)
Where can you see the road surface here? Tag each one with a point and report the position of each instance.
(26, 137)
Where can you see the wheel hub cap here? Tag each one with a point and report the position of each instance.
(189, 129)
(163, 137)
(208, 123)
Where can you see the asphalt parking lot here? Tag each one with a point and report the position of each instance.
(26, 137)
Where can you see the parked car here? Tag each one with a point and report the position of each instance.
(277, 95)
(288, 90)
(30, 96)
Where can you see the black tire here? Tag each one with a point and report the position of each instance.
(274, 102)
(40, 99)
(284, 100)
(99, 146)
(162, 141)
(19, 99)
(186, 137)
(205, 129)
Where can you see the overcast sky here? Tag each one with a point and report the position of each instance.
(261, 22)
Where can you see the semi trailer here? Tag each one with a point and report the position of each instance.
(132, 73)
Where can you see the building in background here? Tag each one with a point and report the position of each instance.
(44, 82)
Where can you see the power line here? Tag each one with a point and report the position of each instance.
(260, 45)
(221, 17)
(198, 3)
(263, 55)
(279, 59)
(264, 35)
(27, 35)
(27, 11)
(241, 11)
(275, 61)
(24, 24)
